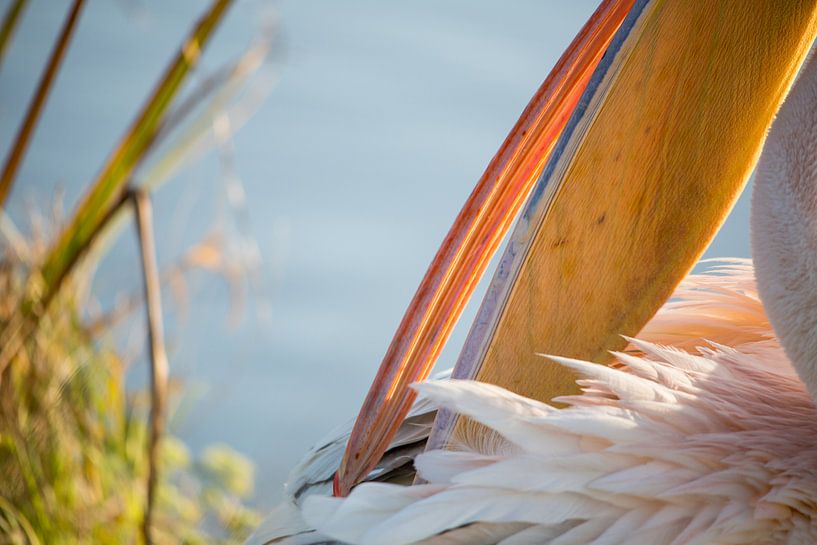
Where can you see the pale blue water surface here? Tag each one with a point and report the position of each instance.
(384, 116)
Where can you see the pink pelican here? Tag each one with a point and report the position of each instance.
(695, 424)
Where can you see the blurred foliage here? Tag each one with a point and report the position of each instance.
(73, 440)
(72, 443)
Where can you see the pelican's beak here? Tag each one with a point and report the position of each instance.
(668, 128)
(464, 254)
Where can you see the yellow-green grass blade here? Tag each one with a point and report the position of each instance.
(113, 179)
(190, 127)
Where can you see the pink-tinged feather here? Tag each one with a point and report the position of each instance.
(677, 443)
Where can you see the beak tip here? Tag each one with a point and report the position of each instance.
(337, 491)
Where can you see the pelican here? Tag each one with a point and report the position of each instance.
(605, 395)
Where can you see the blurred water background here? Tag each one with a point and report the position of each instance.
(382, 117)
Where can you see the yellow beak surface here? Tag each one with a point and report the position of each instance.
(645, 177)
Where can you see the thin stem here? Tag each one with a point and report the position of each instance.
(158, 357)
(18, 150)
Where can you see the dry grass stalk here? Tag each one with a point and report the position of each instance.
(158, 357)
(15, 156)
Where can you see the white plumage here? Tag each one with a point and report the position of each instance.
(716, 445)
(672, 445)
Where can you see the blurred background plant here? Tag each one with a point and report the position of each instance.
(83, 458)
(73, 457)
